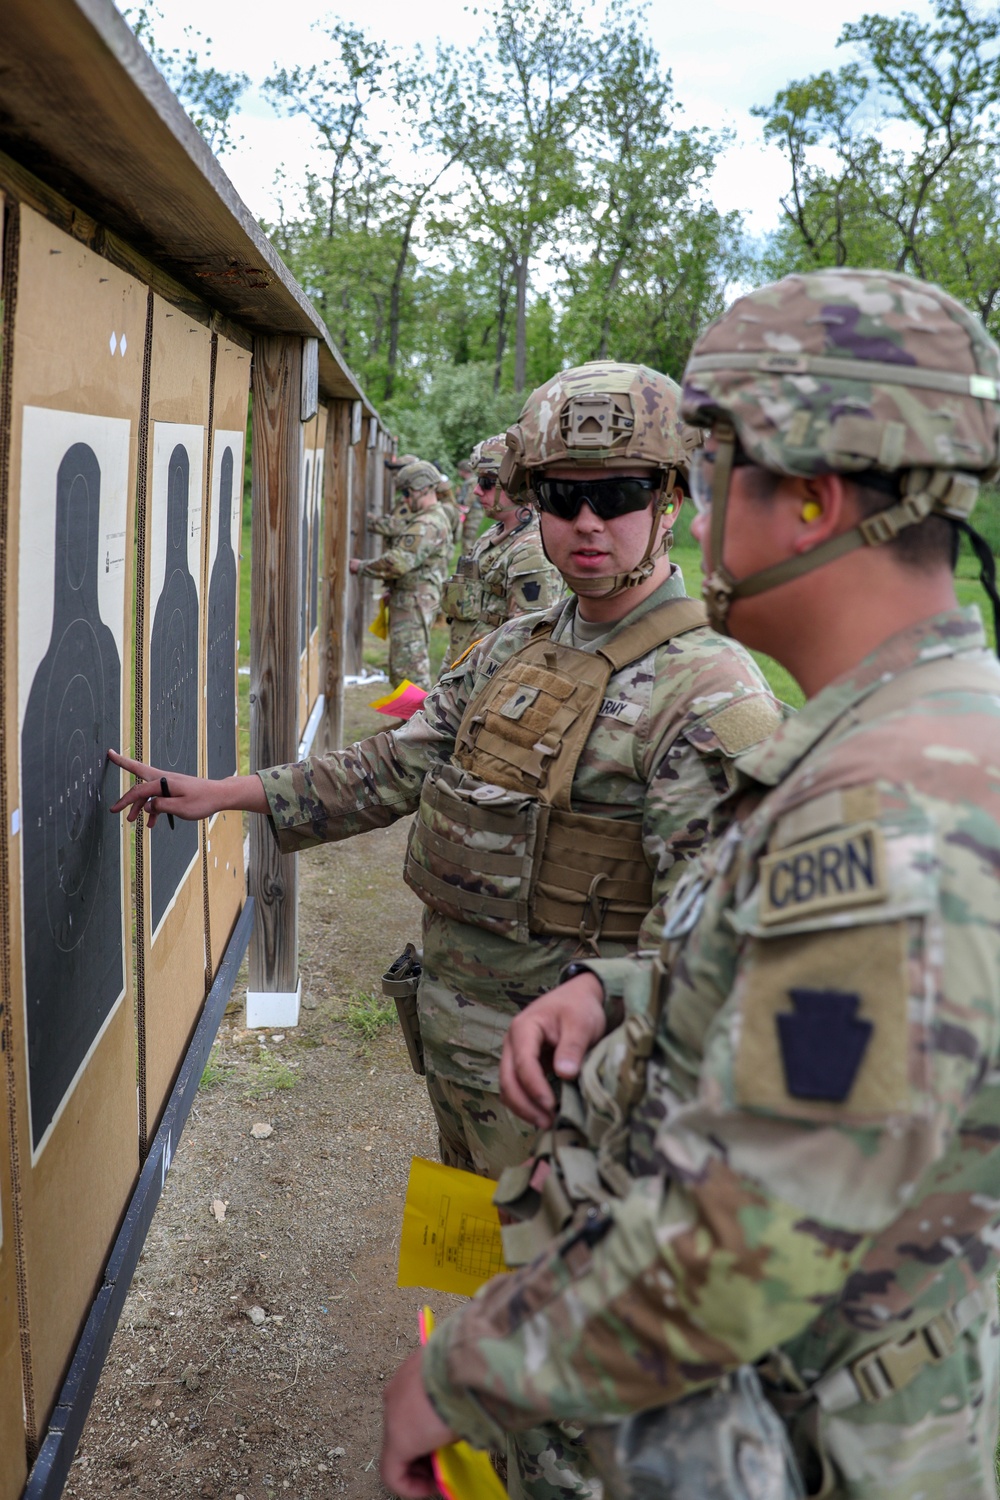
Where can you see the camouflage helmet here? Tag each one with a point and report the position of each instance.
(418, 476)
(400, 460)
(603, 413)
(841, 372)
(487, 456)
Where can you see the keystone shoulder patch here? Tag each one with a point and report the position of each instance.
(842, 868)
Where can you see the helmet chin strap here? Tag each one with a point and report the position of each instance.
(588, 587)
(926, 491)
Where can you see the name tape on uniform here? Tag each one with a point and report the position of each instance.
(845, 867)
(620, 709)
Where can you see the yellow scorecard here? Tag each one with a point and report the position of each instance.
(451, 1230)
(462, 1473)
(380, 625)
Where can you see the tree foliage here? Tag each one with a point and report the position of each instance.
(209, 95)
(894, 158)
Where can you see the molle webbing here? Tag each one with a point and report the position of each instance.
(593, 879)
(527, 729)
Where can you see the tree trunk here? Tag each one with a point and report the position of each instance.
(395, 296)
(521, 333)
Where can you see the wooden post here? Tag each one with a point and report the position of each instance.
(361, 546)
(336, 551)
(277, 457)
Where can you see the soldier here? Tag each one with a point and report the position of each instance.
(468, 501)
(414, 568)
(448, 503)
(392, 525)
(507, 573)
(799, 1120)
(564, 769)
(563, 772)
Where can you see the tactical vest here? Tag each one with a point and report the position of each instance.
(467, 597)
(496, 842)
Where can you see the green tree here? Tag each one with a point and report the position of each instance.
(857, 196)
(649, 257)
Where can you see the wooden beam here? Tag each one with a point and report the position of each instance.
(336, 551)
(276, 457)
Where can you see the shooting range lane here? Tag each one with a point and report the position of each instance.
(77, 354)
(225, 886)
(173, 931)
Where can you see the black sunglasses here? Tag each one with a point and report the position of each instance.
(607, 498)
(487, 482)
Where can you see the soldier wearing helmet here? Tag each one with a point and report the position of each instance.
(507, 572)
(413, 569)
(563, 773)
(787, 1126)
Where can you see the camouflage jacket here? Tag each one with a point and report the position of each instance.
(514, 578)
(420, 553)
(473, 520)
(814, 1159)
(653, 755)
(394, 523)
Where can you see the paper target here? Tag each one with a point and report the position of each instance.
(71, 574)
(173, 645)
(222, 605)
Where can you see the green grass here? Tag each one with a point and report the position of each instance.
(216, 1072)
(268, 1075)
(367, 1015)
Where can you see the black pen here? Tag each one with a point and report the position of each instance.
(166, 793)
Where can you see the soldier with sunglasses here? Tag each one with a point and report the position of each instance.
(506, 573)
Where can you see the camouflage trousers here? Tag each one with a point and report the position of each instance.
(475, 1131)
(412, 612)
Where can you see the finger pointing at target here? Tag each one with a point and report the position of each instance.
(190, 797)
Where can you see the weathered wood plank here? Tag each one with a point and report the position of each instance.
(276, 458)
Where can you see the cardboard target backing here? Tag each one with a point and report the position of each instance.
(173, 933)
(316, 584)
(12, 1448)
(226, 881)
(77, 361)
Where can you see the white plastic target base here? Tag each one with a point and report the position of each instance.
(273, 1008)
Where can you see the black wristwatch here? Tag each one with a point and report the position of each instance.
(572, 970)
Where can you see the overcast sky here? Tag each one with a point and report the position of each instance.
(726, 56)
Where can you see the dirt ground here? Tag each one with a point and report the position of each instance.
(196, 1399)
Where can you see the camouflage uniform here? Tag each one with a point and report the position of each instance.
(514, 578)
(758, 1197)
(414, 568)
(806, 1168)
(662, 750)
(474, 518)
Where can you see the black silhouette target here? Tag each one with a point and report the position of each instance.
(222, 636)
(173, 689)
(73, 961)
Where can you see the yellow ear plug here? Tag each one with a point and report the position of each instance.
(811, 511)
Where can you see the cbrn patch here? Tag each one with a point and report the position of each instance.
(842, 868)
